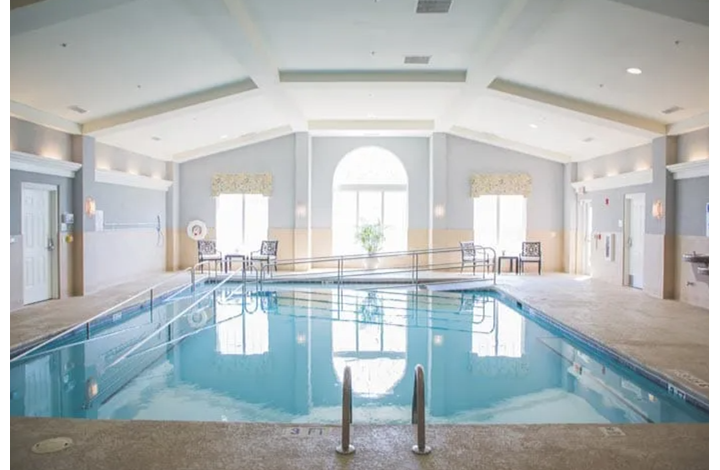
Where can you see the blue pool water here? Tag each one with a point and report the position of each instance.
(278, 356)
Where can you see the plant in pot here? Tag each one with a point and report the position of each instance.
(371, 238)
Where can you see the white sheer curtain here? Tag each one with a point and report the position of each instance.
(241, 222)
(500, 222)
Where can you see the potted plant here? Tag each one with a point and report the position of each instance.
(371, 238)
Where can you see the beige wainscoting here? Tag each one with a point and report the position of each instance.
(658, 259)
(697, 291)
(16, 273)
(605, 270)
(552, 250)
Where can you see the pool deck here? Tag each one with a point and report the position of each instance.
(669, 337)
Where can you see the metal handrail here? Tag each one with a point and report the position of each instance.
(418, 411)
(345, 448)
(86, 323)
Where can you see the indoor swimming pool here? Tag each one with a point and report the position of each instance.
(278, 355)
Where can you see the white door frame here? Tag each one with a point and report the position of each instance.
(54, 233)
(626, 234)
(584, 254)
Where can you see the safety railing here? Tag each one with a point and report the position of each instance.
(150, 295)
(418, 411)
(407, 264)
(345, 448)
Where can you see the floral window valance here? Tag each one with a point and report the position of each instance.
(242, 183)
(500, 184)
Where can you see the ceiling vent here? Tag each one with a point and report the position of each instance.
(588, 139)
(672, 109)
(433, 6)
(417, 59)
(77, 109)
(156, 138)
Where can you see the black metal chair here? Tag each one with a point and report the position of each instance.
(207, 251)
(266, 254)
(531, 253)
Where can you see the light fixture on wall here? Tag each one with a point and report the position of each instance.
(90, 207)
(439, 211)
(657, 209)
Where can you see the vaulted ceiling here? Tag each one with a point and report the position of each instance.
(180, 79)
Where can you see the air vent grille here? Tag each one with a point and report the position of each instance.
(417, 59)
(433, 6)
(77, 109)
(672, 109)
(588, 139)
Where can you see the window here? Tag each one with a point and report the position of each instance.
(370, 186)
(497, 329)
(241, 222)
(499, 222)
(241, 333)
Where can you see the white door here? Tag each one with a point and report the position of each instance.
(634, 228)
(38, 243)
(585, 238)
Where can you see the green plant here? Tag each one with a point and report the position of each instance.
(370, 237)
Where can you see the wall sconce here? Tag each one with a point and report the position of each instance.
(439, 211)
(90, 207)
(91, 389)
(657, 209)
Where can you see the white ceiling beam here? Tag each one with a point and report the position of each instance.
(695, 123)
(377, 76)
(372, 125)
(30, 15)
(693, 11)
(246, 44)
(42, 118)
(578, 109)
(512, 33)
(497, 141)
(170, 108)
(226, 145)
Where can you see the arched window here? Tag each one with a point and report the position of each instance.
(369, 186)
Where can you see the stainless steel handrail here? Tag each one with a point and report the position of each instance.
(418, 411)
(345, 448)
(86, 323)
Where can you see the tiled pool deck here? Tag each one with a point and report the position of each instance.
(669, 337)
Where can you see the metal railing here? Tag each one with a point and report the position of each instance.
(345, 448)
(151, 291)
(418, 411)
(485, 258)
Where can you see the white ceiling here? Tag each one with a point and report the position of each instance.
(214, 72)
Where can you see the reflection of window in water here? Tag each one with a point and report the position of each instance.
(245, 334)
(497, 329)
(374, 346)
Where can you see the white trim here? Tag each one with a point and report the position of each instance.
(623, 180)
(42, 186)
(135, 181)
(695, 123)
(43, 118)
(687, 170)
(372, 187)
(47, 166)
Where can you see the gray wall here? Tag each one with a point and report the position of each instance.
(691, 196)
(18, 177)
(632, 159)
(108, 157)
(275, 156)
(38, 140)
(606, 216)
(694, 145)
(413, 152)
(466, 157)
(122, 204)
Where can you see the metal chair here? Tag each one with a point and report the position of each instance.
(470, 255)
(207, 251)
(267, 254)
(531, 253)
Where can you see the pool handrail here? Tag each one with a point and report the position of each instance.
(151, 290)
(345, 448)
(418, 411)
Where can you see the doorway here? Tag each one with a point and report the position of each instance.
(585, 237)
(39, 234)
(634, 240)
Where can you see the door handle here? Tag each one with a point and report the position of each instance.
(629, 242)
(51, 244)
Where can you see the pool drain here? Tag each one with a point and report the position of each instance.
(54, 444)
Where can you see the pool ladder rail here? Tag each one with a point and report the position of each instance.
(418, 413)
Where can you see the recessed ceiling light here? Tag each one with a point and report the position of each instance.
(224, 136)
(534, 126)
(634, 71)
